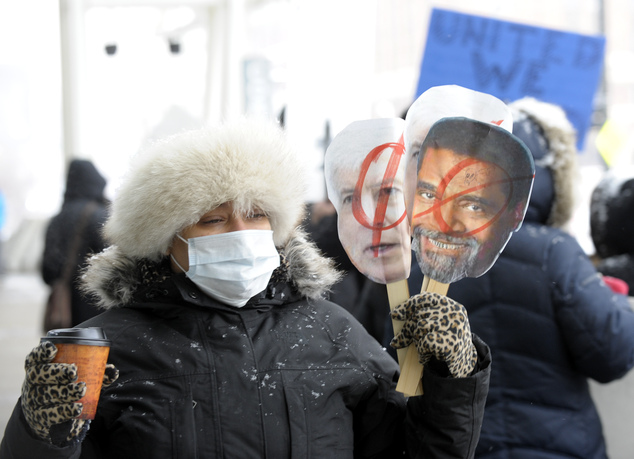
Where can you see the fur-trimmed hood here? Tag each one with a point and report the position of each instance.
(551, 138)
(113, 278)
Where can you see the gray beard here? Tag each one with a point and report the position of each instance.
(444, 268)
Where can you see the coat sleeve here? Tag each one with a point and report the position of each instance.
(445, 421)
(597, 324)
(19, 443)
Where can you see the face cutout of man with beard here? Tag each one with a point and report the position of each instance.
(473, 183)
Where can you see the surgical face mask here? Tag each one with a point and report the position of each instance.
(232, 267)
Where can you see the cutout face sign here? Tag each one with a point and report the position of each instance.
(444, 102)
(473, 182)
(365, 169)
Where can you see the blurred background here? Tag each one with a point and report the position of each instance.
(98, 79)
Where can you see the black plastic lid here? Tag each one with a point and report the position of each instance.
(92, 336)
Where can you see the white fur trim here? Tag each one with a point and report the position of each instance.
(562, 158)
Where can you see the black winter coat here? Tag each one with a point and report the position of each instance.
(84, 185)
(283, 377)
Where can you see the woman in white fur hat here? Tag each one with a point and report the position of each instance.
(222, 341)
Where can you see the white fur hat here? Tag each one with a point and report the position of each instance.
(177, 180)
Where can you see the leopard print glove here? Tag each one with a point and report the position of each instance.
(48, 397)
(439, 327)
(110, 376)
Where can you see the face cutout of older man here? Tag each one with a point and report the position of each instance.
(364, 168)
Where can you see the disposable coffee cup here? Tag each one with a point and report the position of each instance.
(87, 348)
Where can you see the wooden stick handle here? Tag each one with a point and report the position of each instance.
(435, 287)
(409, 382)
(397, 293)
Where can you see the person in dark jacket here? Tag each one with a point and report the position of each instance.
(548, 316)
(612, 224)
(550, 320)
(222, 340)
(84, 185)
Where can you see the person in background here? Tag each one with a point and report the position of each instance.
(321, 226)
(84, 204)
(612, 226)
(224, 344)
(549, 318)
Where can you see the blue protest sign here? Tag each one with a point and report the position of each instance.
(510, 60)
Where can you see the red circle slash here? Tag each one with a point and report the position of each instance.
(444, 183)
(377, 225)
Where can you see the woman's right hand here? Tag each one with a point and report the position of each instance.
(49, 397)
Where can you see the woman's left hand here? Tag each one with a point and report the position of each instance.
(440, 328)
